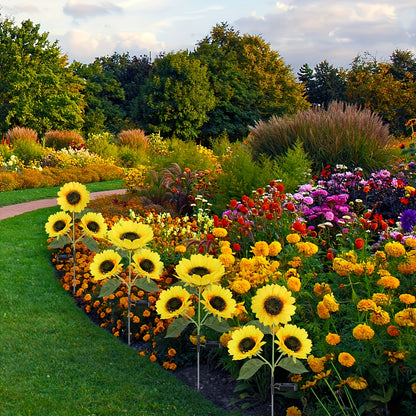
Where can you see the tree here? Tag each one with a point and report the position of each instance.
(249, 80)
(37, 88)
(177, 96)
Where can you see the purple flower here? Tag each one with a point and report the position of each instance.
(308, 200)
(408, 219)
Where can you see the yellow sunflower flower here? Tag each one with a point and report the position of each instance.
(219, 301)
(147, 264)
(130, 235)
(293, 341)
(93, 225)
(346, 359)
(363, 332)
(105, 264)
(245, 342)
(172, 302)
(200, 270)
(73, 197)
(58, 224)
(273, 304)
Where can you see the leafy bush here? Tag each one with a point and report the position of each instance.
(28, 151)
(59, 139)
(341, 134)
(103, 145)
(21, 133)
(135, 139)
(132, 158)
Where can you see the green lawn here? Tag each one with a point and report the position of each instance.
(53, 360)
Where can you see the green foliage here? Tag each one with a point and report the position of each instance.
(21, 133)
(61, 139)
(28, 151)
(103, 145)
(293, 167)
(342, 134)
(132, 158)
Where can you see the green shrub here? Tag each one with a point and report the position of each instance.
(132, 158)
(59, 139)
(102, 144)
(29, 152)
(135, 139)
(21, 133)
(342, 134)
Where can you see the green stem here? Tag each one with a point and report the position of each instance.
(320, 402)
(335, 397)
(198, 339)
(73, 252)
(273, 366)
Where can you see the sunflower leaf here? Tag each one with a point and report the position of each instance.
(287, 363)
(109, 287)
(250, 368)
(176, 327)
(263, 328)
(146, 285)
(59, 241)
(91, 244)
(219, 326)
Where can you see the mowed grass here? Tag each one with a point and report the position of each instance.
(53, 360)
(26, 195)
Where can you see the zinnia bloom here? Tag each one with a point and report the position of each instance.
(219, 301)
(245, 342)
(105, 264)
(130, 235)
(346, 359)
(73, 197)
(363, 332)
(93, 225)
(200, 270)
(293, 341)
(58, 224)
(147, 263)
(333, 339)
(273, 304)
(172, 302)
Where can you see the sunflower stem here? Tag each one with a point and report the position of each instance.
(198, 339)
(272, 374)
(129, 301)
(73, 252)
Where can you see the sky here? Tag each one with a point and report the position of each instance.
(301, 31)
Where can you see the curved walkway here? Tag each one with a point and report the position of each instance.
(13, 210)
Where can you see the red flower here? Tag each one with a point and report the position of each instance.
(290, 207)
(393, 331)
(280, 187)
(260, 191)
(366, 189)
(236, 247)
(404, 201)
(330, 255)
(201, 249)
(269, 216)
(233, 203)
(210, 237)
(359, 243)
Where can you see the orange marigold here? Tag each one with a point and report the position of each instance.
(333, 339)
(363, 332)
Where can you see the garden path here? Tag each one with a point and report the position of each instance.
(13, 210)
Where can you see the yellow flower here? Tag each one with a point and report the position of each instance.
(346, 359)
(407, 298)
(293, 238)
(245, 342)
(274, 248)
(181, 249)
(172, 302)
(93, 225)
(273, 304)
(261, 248)
(406, 317)
(225, 338)
(130, 235)
(226, 250)
(410, 242)
(294, 284)
(291, 272)
(147, 264)
(357, 383)
(366, 305)
(73, 197)
(105, 264)
(219, 232)
(316, 364)
(226, 259)
(306, 248)
(58, 224)
(240, 286)
(219, 301)
(395, 249)
(380, 317)
(381, 299)
(389, 282)
(293, 411)
(293, 341)
(321, 289)
(414, 388)
(342, 267)
(200, 270)
(323, 311)
(333, 339)
(330, 302)
(363, 332)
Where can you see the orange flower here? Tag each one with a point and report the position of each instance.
(333, 339)
(152, 358)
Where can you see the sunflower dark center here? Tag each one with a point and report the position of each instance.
(200, 271)
(73, 197)
(93, 226)
(59, 225)
(106, 266)
(273, 305)
(173, 304)
(246, 344)
(129, 236)
(218, 303)
(293, 343)
(147, 265)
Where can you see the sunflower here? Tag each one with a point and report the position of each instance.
(293, 341)
(245, 342)
(147, 263)
(105, 264)
(273, 304)
(93, 225)
(219, 301)
(73, 197)
(172, 302)
(130, 235)
(200, 270)
(58, 224)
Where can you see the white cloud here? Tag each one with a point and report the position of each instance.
(85, 8)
